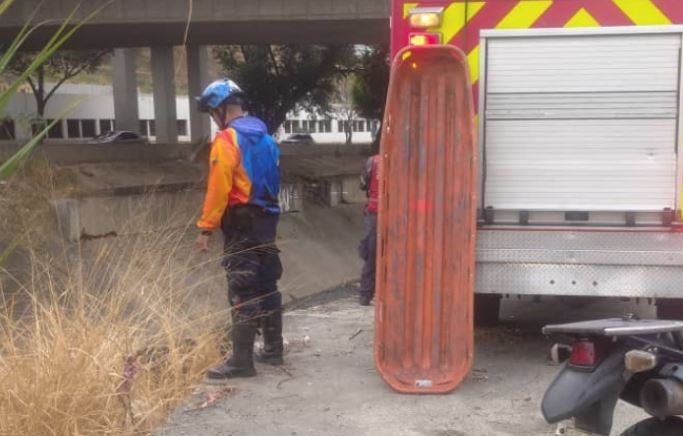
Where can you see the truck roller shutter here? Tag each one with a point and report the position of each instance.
(581, 121)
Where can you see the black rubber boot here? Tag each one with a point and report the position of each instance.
(273, 346)
(241, 364)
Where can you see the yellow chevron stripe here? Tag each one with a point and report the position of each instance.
(582, 19)
(473, 61)
(454, 18)
(642, 12)
(407, 7)
(524, 14)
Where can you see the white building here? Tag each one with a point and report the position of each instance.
(94, 114)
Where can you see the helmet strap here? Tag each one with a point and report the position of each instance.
(218, 115)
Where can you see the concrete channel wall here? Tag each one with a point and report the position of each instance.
(320, 197)
(318, 240)
(99, 216)
(67, 153)
(110, 215)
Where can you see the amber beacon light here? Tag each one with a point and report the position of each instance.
(425, 18)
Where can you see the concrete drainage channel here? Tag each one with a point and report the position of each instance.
(318, 233)
(132, 190)
(141, 209)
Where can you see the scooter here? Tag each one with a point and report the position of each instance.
(637, 361)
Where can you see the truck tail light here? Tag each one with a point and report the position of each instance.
(426, 17)
(421, 39)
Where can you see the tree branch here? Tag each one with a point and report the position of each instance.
(32, 84)
(273, 60)
(70, 73)
(244, 54)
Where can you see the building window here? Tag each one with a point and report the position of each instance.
(152, 127)
(345, 126)
(88, 128)
(56, 131)
(182, 127)
(361, 126)
(325, 126)
(106, 126)
(295, 126)
(73, 128)
(7, 129)
(312, 126)
(288, 126)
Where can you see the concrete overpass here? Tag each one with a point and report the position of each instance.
(162, 24)
(139, 23)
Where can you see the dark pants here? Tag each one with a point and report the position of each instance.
(368, 252)
(252, 260)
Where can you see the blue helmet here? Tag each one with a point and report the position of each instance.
(215, 94)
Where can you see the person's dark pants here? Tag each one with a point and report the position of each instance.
(368, 252)
(252, 261)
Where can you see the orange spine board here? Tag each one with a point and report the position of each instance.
(427, 224)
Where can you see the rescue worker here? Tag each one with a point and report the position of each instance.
(242, 201)
(368, 245)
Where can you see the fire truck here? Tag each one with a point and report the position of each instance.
(579, 112)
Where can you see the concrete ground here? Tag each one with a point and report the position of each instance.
(329, 384)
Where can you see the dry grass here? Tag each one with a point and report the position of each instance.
(25, 211)
(104, 338)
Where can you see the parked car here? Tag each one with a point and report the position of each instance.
(299, 138)
(120, 136)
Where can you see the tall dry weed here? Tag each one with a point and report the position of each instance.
(106, 337)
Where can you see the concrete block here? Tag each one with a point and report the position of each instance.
(351, 192)
(102, 216)
(291, 198)
(331, 192)
(68, 219)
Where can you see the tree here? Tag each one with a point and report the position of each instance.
(344, 100)
(280, 78)
(61, 67)
(371, 82)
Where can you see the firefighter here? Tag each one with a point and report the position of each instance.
(242, 201)
(368, 245)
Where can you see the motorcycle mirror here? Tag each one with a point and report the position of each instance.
(640, 361)
(560, 352)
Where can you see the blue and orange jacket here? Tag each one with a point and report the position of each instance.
(243, 169)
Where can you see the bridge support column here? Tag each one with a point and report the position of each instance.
(198, 78)
(125, 89)
(163, 83)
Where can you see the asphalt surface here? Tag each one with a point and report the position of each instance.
(329, 384)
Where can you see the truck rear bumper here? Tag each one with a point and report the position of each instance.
(644, 263)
